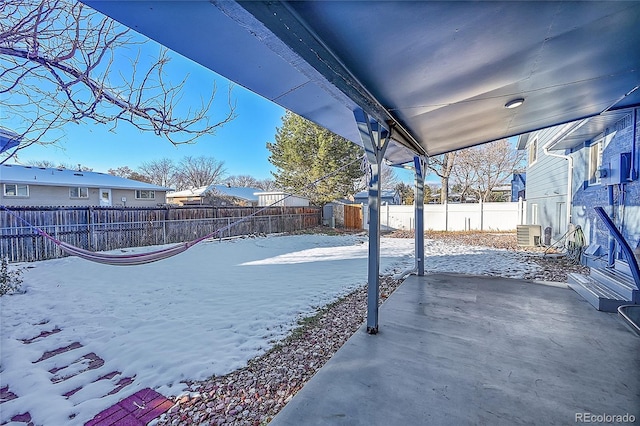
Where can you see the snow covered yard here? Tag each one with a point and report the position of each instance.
(204, 312)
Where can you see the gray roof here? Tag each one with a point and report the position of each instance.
(13, 173)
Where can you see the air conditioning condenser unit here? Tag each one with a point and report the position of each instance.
(528, 235)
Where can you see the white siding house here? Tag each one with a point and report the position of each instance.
(280, 198)
(40, 186)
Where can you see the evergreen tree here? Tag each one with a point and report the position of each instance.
(407, 193)
(304, 152)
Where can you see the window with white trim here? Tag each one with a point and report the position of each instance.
(16, 190)
(78, 192)
(145, 194)
(595, 162)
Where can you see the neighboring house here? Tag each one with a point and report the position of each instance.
(390, 196)
(40, 186)
(187, 196)
(281, 198)
(581, 165)
(217, 195)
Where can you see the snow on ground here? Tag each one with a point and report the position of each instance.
(206, 311)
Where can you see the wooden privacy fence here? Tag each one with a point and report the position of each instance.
(109, 228)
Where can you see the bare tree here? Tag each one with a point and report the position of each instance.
(482, 168)
(442, 165)
(160, 172)
(194, 172)
(267, 185)
(127, 173)
(388, 179)
(43, 163)
(124, 171)
(58, 66)
(51, 165)
(242, 181)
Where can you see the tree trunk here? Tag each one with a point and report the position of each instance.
(447, 168)
(444, 190)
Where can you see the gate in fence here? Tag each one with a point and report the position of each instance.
(353, 216)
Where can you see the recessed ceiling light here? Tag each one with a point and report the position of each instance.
(514, 103)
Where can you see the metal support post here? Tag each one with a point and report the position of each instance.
(375, 140)
(420, 165)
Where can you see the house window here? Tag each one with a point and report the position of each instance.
(78, 192)
(595, 162)
(16, 190)
(145, 194)
(533, 151)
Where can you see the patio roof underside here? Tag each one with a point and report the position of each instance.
(438, 74)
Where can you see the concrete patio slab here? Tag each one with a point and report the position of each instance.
(458, 350)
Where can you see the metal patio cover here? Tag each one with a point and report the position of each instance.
(438, 74)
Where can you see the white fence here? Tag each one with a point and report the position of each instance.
(454, 216)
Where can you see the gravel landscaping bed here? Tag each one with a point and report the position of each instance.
(253, 395)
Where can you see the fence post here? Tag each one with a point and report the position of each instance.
(446, 215)
(481, 215)
(520, 211)
(164, 225)
(89, 228)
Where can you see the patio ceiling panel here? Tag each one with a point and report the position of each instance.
(437, 73)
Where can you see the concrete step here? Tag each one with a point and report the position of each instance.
(617, 281)
(622, 266)
(598, 294)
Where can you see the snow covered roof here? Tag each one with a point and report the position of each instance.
(13, 173)
(192, 192)
(243, 192)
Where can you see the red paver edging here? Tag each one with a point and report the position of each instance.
(137, 409)
(49, 354)
(42, 334)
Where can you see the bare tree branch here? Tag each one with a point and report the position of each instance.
(61, 62)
